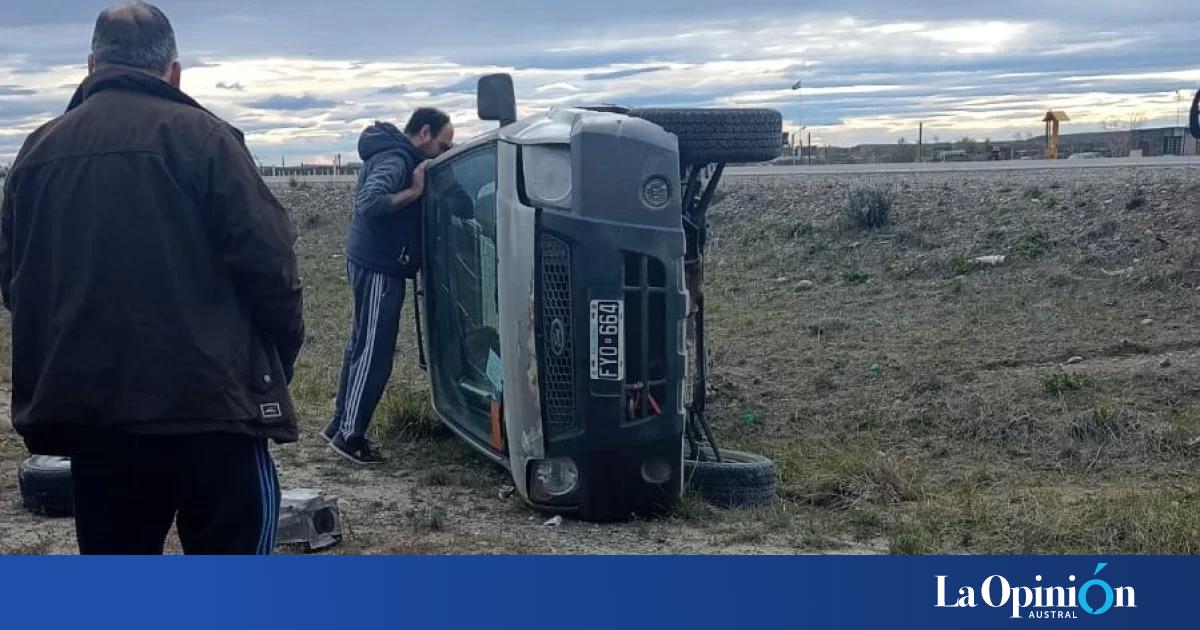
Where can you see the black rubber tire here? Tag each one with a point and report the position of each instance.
(731, 136)
(740, 480)
(46, 487)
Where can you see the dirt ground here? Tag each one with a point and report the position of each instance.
(915, 401)
(416, 506)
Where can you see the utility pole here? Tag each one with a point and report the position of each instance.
(1178, 121)
(921, 142)
(810, 149)
(798, 87)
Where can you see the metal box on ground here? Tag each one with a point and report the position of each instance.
(309, 520)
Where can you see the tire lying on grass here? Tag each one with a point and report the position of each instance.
(734, 136)
(46, 487)
(739, 480)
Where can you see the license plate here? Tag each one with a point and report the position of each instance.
(608, 340)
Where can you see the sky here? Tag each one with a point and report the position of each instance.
(303, 78)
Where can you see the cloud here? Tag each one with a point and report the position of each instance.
(15, 90)
(465, 85)
(558, 87)
(1079, 48)
(871, 69)
(395, 89)
(193, 63)
(621, 74)
(293, 103)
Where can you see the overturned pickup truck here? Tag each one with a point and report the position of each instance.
(563, 312)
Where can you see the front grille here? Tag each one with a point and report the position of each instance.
(558, 353)
(645, 338)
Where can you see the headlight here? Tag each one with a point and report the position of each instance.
(554, 478)
(547, 175)
(656, 470)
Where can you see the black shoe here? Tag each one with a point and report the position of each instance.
(329, 432)
(358, 451)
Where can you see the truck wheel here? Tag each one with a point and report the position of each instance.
(46, 486)
(733, 136)
(740, 480)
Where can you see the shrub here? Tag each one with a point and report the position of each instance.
(869, 208)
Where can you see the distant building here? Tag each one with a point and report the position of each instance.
(1172, 141)
(308, 170)
(1155, 142)
(953, 155)
(1162, 141)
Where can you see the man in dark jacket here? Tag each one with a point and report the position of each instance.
(383, 249)
(156, 305)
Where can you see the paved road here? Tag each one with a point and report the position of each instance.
(313, 179)
(965, 167)
(851, 169)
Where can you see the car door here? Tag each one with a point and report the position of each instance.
(460, 279)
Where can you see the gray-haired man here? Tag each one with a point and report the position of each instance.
(156, 305)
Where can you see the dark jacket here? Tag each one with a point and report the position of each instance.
(150, 274)
(382, 238)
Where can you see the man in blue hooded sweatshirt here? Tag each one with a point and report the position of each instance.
(383, 249)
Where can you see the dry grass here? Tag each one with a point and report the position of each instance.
(920, 397)
(914, 404)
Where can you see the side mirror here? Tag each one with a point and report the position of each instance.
(496, 99)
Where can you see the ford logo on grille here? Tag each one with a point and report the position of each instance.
(558, 337)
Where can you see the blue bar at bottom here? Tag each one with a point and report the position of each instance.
(618, 593)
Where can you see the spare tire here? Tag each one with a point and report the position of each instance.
(46, 486)
(739, 480)
(732, 136)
